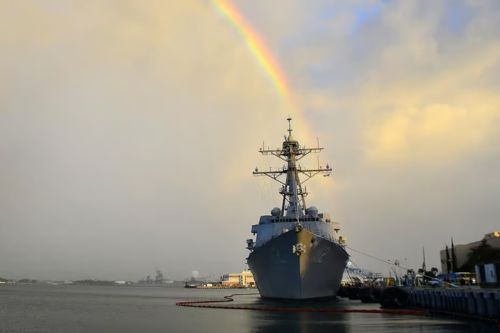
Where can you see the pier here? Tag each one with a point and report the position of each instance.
(476, 303)
(472, 303)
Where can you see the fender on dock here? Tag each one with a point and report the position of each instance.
(394, 298)
(476, 303)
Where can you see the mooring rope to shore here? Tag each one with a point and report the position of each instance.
(209, 304)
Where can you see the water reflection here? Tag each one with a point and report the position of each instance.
(318, 322)
(303, 322)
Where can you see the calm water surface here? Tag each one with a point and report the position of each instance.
(39, 308)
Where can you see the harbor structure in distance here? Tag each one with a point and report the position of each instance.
(297, 252)
(459, 257)
(243, 279)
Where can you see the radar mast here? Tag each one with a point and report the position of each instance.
(292, 190)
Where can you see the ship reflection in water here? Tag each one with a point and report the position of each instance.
(261, 321)
(345, 322)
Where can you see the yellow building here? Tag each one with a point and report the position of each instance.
(246, 279)
(230, 280)
(243, 279)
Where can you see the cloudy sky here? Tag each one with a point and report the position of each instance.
(129, 129)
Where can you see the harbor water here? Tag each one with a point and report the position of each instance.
(70, 308)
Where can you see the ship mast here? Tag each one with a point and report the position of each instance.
(293, 204)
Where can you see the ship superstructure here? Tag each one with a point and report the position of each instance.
(297, 252)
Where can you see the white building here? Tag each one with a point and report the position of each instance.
(462, 250)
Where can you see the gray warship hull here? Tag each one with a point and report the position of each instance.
(298, 265)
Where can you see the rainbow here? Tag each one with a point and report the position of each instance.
(263, 56)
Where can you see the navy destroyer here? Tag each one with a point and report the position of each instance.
(297, 252)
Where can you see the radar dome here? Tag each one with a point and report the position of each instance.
(312, 211)
(275, 211)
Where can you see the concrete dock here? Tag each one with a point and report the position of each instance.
(481, 303)
(471, 302)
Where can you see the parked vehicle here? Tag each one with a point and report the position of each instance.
(459, 278)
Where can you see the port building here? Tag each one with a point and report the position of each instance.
(455, 256)
(243, 279)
